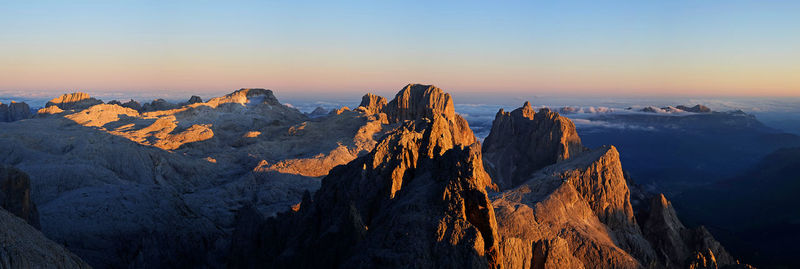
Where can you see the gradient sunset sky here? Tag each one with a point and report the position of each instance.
(656, 48)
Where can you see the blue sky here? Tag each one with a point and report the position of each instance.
(737, 48)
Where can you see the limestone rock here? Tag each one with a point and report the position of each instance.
(372, 104)
(695, 109)
(22, 246)
(416, 101)
(583, 201)
(15, 195)
(678, 246)
(157, 105)
(523, 141)
(14, 111)
(132, 105)
(418, 196)
(194, 99)
(76, 101)
(318, 112)
(50, 110)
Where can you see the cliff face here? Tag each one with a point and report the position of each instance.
(678, 246)
(417, 199)
(576, 212)
(14, 112)
(372, 104)
(77, 100)
(581, 203)
(523, 141)
(15, 195)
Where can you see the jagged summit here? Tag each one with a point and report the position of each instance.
(372, 103)
(416, 101)
(523, 141)
(76, 100)
(418, 196)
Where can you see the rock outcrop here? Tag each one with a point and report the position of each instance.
(15, 195)
(681, 247)
(77, 101)
(22, 247)
(372, 104)
(14, 112)
(695, 109)
(581, 203)
(576, 212)
(523, 141)
(133, 105)
(417, 199)
(158, 105)
(194, 100)
(50, 110)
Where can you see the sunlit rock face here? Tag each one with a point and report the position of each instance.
(417, 198)
(575, 211)
(14, 111)
(581, 203)
(123, 187)
(76, 100)
(523, 141)
(372, 104)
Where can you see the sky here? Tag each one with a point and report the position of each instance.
(298, 48)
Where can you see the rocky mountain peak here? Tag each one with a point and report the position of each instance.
(523, 141)
(76, 100)
(417, 101)
(246, 97)
(419, 196)
(372, 103)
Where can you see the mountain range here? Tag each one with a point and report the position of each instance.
(243, 181)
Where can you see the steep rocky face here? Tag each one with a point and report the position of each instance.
(582, 201)
(14, 112)
(418, 198)
(77, 100)
(25, 247)
(15, 195)
(416, 101)
(678, 246)
(372, 104)
(523, 141)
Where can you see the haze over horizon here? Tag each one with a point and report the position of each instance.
(676, 48)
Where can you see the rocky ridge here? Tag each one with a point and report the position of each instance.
(577, 213)
(523, 141)
(14, 111)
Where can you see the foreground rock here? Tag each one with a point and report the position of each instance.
(523, 141)
(22, 246)
(15, 195)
